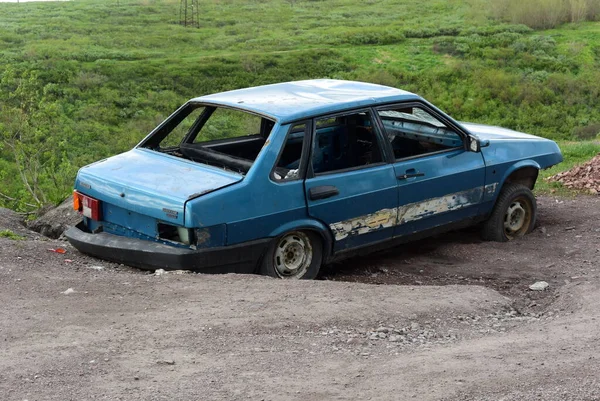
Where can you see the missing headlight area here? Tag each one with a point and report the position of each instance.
(178, 234)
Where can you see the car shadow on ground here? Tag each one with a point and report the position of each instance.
(408, 260)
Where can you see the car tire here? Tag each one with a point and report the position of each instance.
(513, 216)
(293, 255)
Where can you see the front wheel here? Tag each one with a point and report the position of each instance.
(294, 255)
(513, 216)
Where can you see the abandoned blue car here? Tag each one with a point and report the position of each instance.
(283, 178)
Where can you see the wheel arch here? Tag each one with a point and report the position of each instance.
(525, 172)
(309, 225)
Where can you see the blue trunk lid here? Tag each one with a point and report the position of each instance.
(151, 183)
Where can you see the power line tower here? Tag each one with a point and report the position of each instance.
(189, 13)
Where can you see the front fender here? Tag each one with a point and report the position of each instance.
(517, 166)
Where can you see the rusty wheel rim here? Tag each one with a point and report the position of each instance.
(517, 218)
(293, 255)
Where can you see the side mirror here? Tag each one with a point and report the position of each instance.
(476, 144)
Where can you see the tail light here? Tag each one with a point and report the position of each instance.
(86, 205)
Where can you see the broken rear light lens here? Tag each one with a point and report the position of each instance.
(86, 205)
(175, 233)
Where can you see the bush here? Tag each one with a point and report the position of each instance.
(371, 36)
(431, 32)
(544, 14)
(587, 132)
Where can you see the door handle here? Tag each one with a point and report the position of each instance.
(323, 192)
(410, 174)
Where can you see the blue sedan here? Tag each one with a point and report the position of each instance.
(283, 178)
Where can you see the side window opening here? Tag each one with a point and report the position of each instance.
(412, 131)
(222, 137)
(345, 142)
(289, 166)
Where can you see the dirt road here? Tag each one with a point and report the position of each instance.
(457, 322)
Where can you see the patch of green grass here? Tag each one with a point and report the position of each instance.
(86, 79)
(10, 235)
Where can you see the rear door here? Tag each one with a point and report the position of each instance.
(350, 187)
(439, 181)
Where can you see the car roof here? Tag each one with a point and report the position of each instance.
(292, 101)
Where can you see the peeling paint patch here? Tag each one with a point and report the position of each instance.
(490, 189)
(430, 207)
(384, 218)
(202, 236)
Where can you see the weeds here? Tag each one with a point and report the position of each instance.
(10, 235)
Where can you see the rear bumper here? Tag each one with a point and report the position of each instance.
(148, 255)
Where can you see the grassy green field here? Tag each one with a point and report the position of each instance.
(87, 79)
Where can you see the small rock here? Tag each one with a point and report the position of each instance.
(382, 330)
(96, 267)
(415, 326)
(68, 291)
(166, 362)
(159, 272)
(394, 338)
(539, 286)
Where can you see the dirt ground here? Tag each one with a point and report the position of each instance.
(451, 319)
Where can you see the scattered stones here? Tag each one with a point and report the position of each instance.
(539, 286)
(394, 338)
(160, 272)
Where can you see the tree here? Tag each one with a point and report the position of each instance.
(30, 124)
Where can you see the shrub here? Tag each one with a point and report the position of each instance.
(370, 36)
(544, 14)
(587, 132)
(431, 32)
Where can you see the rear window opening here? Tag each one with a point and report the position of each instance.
(226, 138)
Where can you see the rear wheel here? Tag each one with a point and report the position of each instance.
(513, 216)
(294, 255)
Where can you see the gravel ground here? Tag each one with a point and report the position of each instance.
(453, 320)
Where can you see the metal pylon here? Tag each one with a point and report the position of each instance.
(189, 12)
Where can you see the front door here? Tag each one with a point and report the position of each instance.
(351, 188)
(439, 181)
